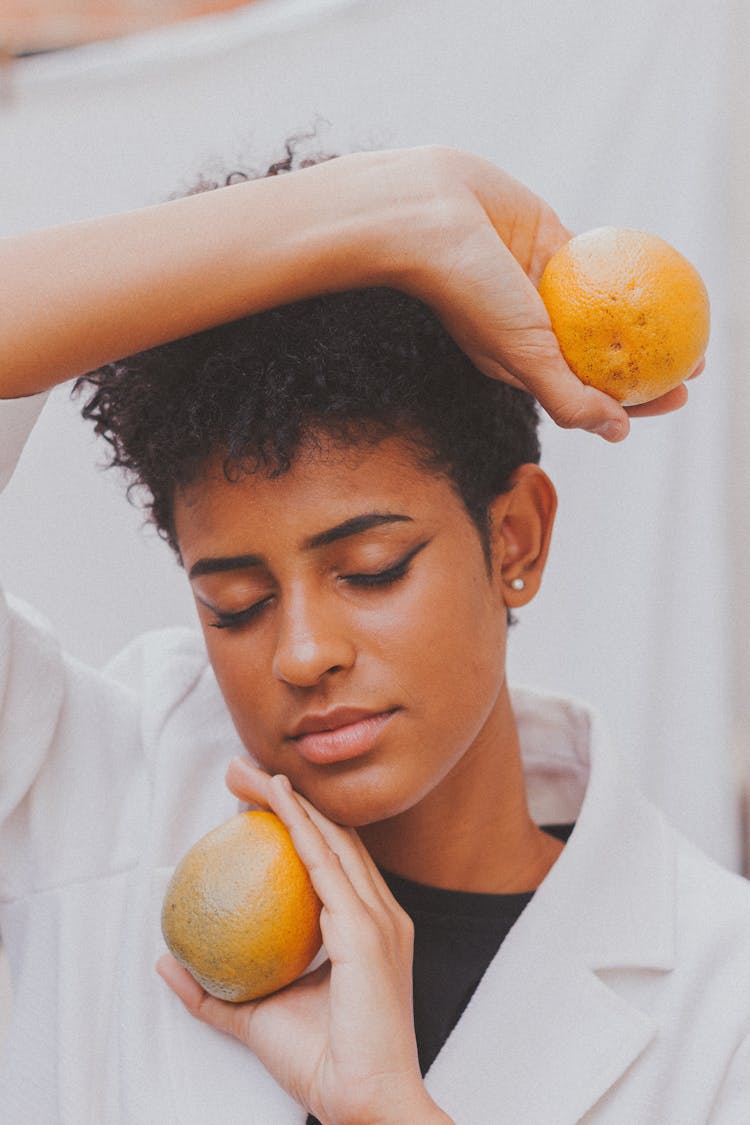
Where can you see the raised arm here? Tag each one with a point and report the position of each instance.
(441, 224)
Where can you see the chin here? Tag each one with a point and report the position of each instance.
(355, 802)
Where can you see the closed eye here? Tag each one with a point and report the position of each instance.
(385, 577)
(380, 578)
(232, 620)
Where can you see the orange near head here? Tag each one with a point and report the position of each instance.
(240, 912)
(630, 313)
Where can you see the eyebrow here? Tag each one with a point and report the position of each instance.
(354, 526)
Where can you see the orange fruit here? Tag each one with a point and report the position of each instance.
(630, 313)
(240, 912)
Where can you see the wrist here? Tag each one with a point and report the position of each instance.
(377, 218)
(430, 1114)
(361, 220)
(420, 222)
(415, 201)
(419, 1110)
(402, 1101)
(433, 1115)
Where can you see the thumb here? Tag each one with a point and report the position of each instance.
(533, 359)
(220, 1014)
(498, 318)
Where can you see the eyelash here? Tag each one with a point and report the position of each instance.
(361, 581)
(232, 620)
(381, 577)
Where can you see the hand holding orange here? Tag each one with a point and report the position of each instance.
(630, 313)
(240, 912)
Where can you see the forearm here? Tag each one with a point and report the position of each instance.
(442, 225)
(78, 296)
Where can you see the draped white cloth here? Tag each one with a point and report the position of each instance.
(616, 114)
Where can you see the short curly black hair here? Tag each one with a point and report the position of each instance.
(355, 366)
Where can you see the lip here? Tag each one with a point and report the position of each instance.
(339, 735)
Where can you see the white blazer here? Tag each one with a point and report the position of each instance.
(620, 997)
(622, 994)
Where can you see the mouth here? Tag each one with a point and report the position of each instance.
(340, 735)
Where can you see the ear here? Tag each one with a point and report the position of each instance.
(522, 520)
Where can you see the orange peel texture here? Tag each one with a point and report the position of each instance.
(630, 313)
(240, 912)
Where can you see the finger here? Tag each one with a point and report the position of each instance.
(673, 400)
(376, 880)
(231, 1018)
(531, 352)
(330, 853)
(248, 782)
(574, 405)
(665, 404)
(496, 370)
(540, 369)
(498, 318)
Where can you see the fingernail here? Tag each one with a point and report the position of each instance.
(283, 782)
(611, 431)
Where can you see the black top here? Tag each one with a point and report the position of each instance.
(456, 935)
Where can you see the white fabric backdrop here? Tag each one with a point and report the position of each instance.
(615, 113)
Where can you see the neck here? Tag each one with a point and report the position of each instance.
(473, 831)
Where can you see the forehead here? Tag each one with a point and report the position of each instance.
(326, 484)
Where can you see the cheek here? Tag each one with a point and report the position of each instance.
(436, 649)
(449, 645)
(243, 684)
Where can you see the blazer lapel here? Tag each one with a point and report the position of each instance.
(545, 1036)
(538, 1043)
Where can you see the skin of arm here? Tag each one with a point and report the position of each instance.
(444, 225)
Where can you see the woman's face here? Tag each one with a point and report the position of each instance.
(356, 633)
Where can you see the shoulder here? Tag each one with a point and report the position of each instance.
(704, 917)
(180, 704)
(713, 903)
(162, 664)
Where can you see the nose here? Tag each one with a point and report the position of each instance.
(311, 642)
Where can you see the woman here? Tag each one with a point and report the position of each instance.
(358, 510)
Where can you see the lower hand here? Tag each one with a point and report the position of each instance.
(341, 1038)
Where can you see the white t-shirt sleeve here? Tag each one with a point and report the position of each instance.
(69, 737)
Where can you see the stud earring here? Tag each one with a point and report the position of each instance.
(517, 584)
